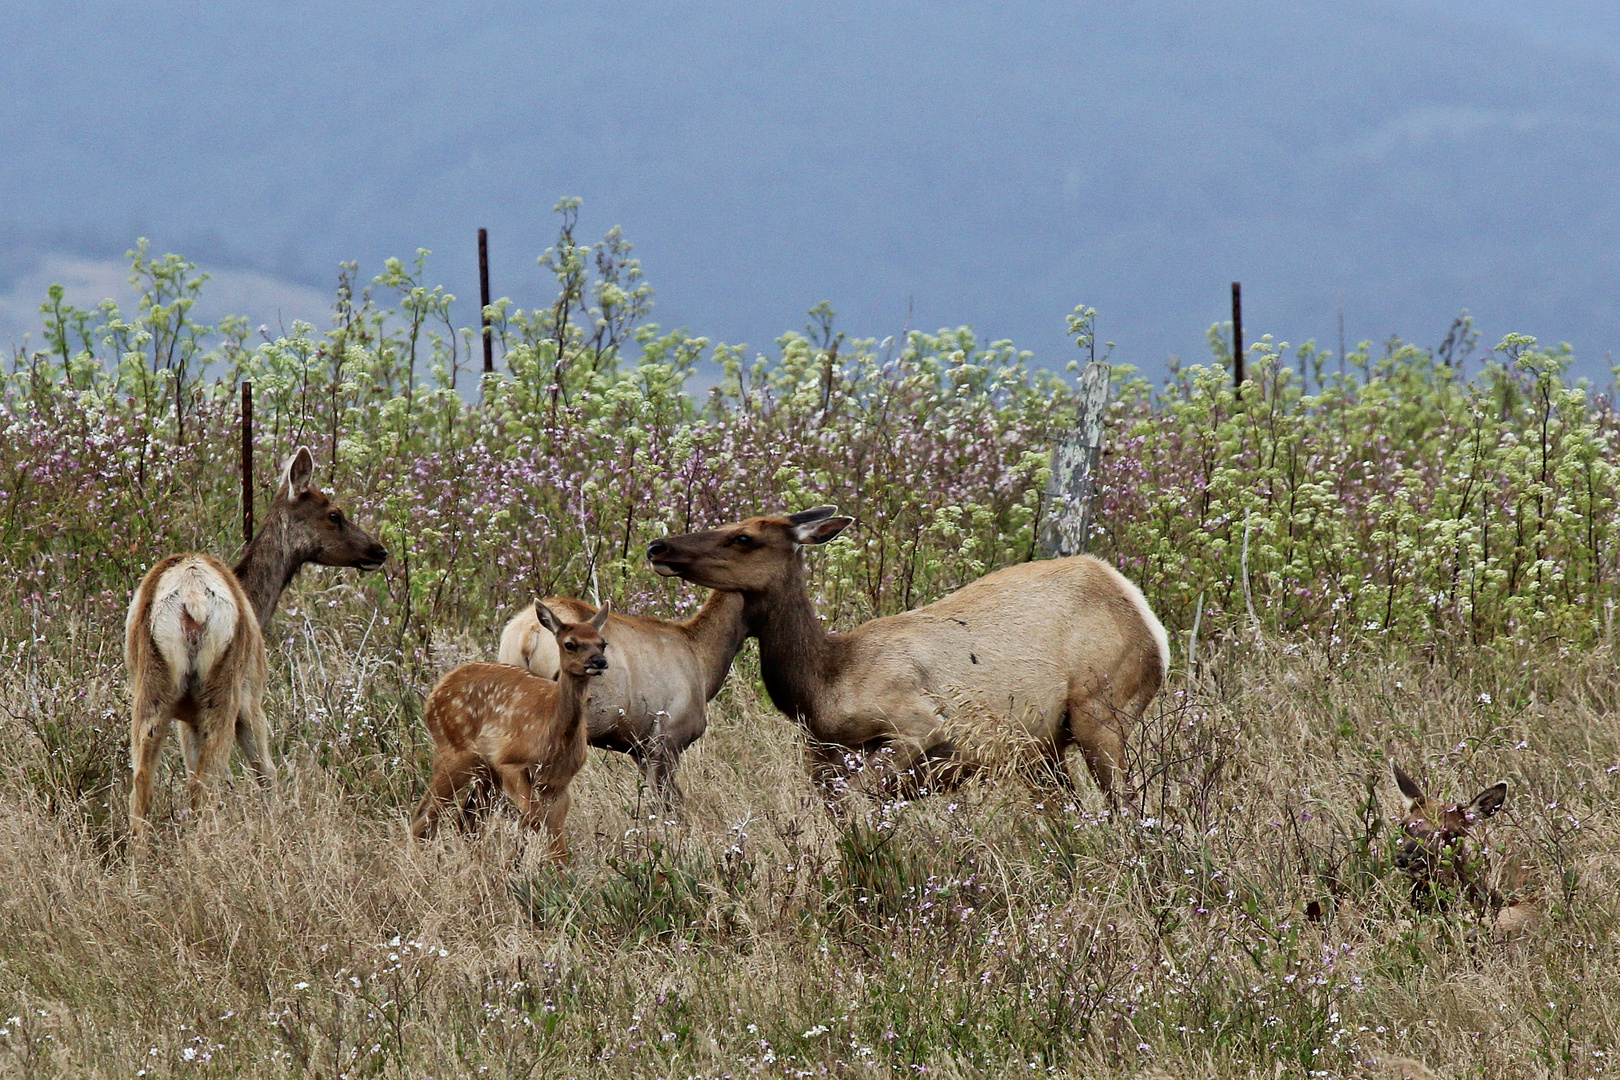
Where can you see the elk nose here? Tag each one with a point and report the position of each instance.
(656, 548)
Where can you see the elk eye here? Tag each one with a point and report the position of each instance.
(335, 517)
(571, 646)
(741, 540)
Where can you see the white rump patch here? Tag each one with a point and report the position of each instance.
(193, 618)
(1155, 627)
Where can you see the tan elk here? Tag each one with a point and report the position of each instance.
(1065, 650)
(1442, 853)
(527, 733)
(194, 637)
(653, 701)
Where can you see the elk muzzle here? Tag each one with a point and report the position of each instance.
(375, 556)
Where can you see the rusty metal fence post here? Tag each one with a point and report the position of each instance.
(1237, 335)
(483, 295)
(247, 463)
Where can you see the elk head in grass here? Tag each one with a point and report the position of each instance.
(1445, 855)
(1438, 849)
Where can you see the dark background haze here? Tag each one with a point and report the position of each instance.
(985, 163)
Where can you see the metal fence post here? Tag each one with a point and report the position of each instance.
(1237, 335)
(247, 462)
(483, 295)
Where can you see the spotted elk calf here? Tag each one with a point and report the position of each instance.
(653, 702)
(1443, 854)
(525, 731)
(194, 637)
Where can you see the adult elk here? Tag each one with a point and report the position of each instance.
(1445, 860)
(1066, 650)
(194, 637)
(652, 702)
(525, 731)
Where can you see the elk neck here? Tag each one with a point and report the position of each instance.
(795, 653)
(716, 632)
(572, 690)
(267, 567)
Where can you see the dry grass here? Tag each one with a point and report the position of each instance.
(1001, 929)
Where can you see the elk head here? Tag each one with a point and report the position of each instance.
(749, 556)
(581, 651)
(310, 528)
(1437, 842)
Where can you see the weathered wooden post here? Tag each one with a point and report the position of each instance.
(1075, 458)
(247, 462)
(483, 295)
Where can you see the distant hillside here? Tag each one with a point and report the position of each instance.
(988, 163)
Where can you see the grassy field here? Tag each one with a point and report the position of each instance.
(1395, 555)
(1240, 917)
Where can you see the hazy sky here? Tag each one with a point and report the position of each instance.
(991, 164)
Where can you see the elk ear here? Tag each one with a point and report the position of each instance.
(546, 617)
(299, 472)
(1408, 787)
(599, 620)
(815, 513)
(1487, 802)
(820, 531)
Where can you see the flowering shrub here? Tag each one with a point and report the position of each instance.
(1401, 497)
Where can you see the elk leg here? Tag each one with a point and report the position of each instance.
(451, 771)
(148, 730)
(1051, 770)
(476, 802)
(520, 789)
(545, 813)
(253, 736)
(556, 818)
(215, 726)
(659, 767)
(929, 762)
(1101, 739)
(190, 746)
(829, 775)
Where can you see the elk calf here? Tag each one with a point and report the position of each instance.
(194, 638)
(1444, 859)
(505, 721)
(653, 702)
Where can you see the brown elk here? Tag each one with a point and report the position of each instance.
(194, 637)
(528, 733)
(652, 702)
(1066, 650)
(1444, 857)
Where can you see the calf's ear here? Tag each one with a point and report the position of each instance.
(599, 620)
(1487, 802)
(1409, 789)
